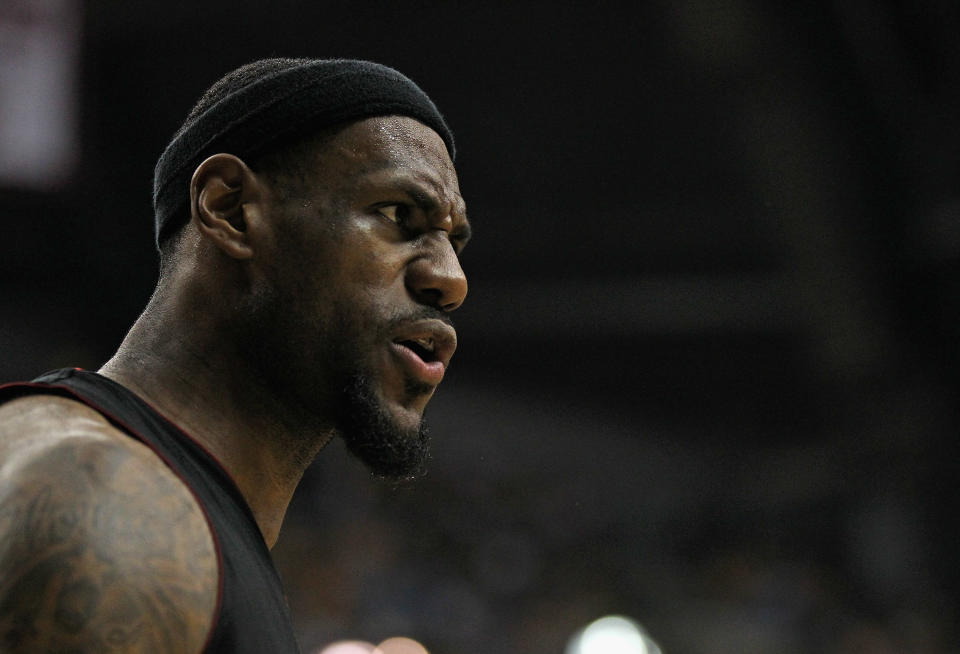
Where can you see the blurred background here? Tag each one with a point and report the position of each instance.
(708, 368)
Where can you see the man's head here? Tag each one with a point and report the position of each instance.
(263, 106)
(340, 244)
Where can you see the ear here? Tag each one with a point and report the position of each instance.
(223, 193)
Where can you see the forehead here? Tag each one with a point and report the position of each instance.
(390, 145)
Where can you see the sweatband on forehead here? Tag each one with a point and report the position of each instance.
(293, 97)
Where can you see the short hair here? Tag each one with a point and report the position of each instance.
(270, 105)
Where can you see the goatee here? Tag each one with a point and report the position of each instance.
(373, 436)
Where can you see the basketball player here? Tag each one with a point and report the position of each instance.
(309, 224)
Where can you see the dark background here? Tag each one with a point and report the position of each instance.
(708, 366)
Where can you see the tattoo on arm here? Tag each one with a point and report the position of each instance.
(102, 551)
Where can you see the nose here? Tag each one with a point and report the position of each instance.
(435, 278)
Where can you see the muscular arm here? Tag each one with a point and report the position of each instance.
(102, 548)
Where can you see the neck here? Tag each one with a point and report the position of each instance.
(262, 442)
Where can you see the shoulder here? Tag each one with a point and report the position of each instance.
(102, 547)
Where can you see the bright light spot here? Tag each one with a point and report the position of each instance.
(348, 647)
(400, 646)
(612, 635)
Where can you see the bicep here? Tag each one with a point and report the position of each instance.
(102, 550)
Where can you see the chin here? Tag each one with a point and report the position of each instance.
(393, 444)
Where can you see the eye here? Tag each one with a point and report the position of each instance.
(460, 238)
(395, 213)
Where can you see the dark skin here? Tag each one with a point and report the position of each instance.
(275, 296)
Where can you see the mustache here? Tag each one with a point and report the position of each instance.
(423, 313)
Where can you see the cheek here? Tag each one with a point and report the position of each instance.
(376, 285)
(355, 279)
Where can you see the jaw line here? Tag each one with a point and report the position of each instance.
(373, 430)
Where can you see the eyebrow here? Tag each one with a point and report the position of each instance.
(427, 201)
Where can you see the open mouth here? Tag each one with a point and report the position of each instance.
(424, 347)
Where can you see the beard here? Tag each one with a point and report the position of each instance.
(388, 450)
(346, 394)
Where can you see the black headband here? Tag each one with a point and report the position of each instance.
(296, 96)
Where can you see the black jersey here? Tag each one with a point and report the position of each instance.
(252, 616)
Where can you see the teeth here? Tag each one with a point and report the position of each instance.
(425, 342)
